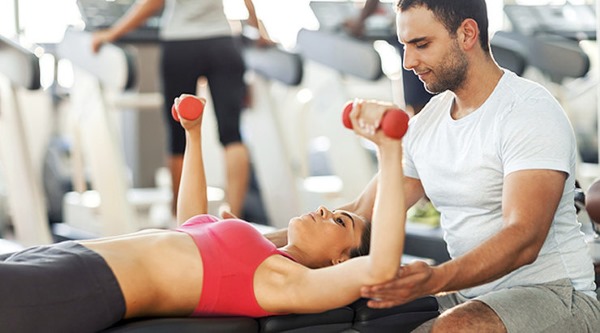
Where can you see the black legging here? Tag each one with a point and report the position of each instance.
(64, 287)
(220, 61)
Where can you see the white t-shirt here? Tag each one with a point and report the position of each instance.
(462, 164)
(193, 19)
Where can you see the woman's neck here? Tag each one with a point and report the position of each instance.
(300, 256)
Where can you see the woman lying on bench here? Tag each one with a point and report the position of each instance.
(205, 267)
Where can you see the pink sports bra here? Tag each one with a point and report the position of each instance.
(231, 251)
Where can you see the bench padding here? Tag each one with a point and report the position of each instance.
(356, 317)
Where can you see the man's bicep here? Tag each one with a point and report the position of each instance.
(531, 197)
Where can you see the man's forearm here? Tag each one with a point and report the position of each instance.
(503, 253)
(530, 201)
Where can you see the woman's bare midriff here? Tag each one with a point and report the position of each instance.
(160, 271)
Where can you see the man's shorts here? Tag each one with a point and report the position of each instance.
(549, 307)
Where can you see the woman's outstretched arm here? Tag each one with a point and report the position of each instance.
(313, 290)
(389, 208)
(192, 189)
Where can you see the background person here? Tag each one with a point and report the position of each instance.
(196, 40)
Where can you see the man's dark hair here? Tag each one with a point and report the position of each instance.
(365, 242)
(452, 13)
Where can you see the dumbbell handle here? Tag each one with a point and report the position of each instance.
(190, 108)
(394, 122)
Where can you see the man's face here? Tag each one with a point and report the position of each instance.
(431, 51)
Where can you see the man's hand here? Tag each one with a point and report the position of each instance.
(413, 281)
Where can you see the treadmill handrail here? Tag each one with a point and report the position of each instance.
(556, 56)
(19, 65)
(342, 53)
(275, 64)
(509, 54)
(112, 65)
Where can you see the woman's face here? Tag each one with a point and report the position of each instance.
(327, 235)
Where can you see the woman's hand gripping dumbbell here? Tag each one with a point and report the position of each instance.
(188, 107)
(394, 121)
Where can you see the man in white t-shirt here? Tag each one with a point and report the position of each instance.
(496, 155)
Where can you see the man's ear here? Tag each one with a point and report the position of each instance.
(469, 34)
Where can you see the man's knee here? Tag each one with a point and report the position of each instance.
(472, 316)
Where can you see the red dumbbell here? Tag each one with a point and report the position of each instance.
(394, 122)
(190, 108)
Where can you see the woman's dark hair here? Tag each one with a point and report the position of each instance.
(365, 242)
(452, 13)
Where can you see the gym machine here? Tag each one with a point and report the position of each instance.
(19, 73)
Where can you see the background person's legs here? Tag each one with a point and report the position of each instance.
(226, 82)
(237, 162)
(180, 69)
(175, 166)
(220, 61)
